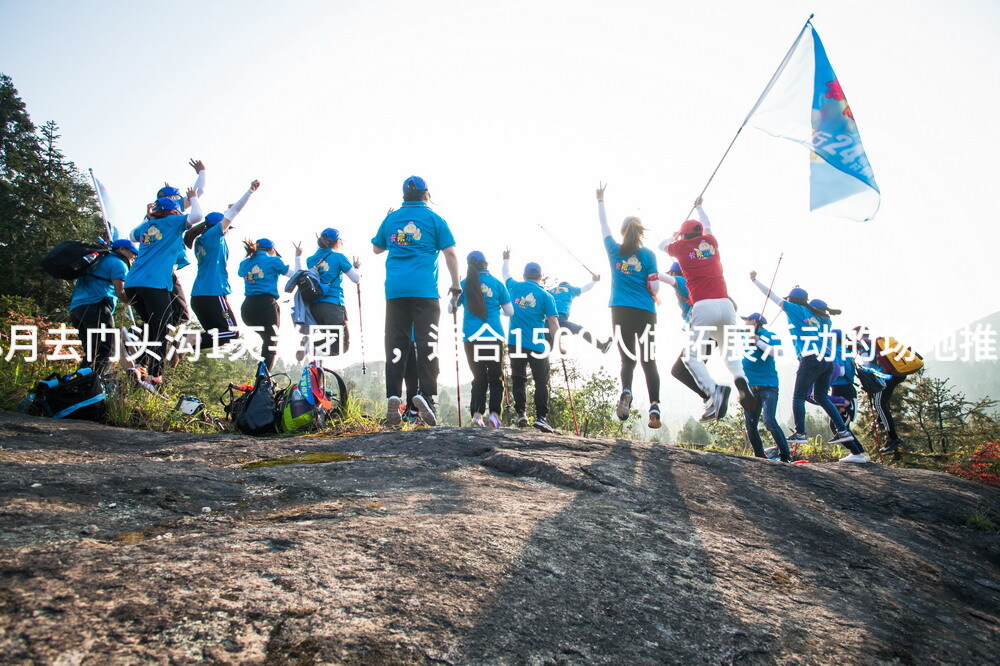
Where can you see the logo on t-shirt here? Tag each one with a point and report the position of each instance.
(255, 274)
(487, 292)
(199, 250)
(322, 267)
(526, 302)
(407, 235)
(561, 289)
(703, 251)
(630, 265)
(151, 235)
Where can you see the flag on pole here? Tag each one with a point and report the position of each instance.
(111, 219)
(805, 103)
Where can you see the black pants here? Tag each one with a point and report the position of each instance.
(97, 352)
(154, 308)
(635, 331)
(178, 305)
(214, 314)
(849, 393)
(262, 310)
(419, 317)
(882, 401)
(332, 314)
(410, 380)
(486, 374)
(519, 381)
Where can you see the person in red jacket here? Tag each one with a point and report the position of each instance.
(697, 251)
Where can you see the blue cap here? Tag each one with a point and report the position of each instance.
(331, 234)
(125, 243)
(476, 256)
(414, 183)
(675, 268)
(265, 244)
(168, 192)
(818, 304)
(757, 317)
(166, 203)
(798, 293)
(214, 218)
(532, 270)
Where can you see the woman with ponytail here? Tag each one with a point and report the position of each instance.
(331, 266)
(634, 285)
(809, 323)
(260, 271)
(484, 298)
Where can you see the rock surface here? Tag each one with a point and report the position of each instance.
(478, 546)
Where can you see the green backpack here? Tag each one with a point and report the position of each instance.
(320, 395)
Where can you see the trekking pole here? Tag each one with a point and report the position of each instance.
(567, 250)
(507, 398)
(458, 380)
(361, 330)
(767, 297)
(569, 392)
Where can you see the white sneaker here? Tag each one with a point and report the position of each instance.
(424, 409)
(841, 436)
(856, 458)
(392, 415)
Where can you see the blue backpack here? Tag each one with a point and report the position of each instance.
(78, 395)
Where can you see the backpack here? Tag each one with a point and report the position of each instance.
(872, 379)
(897, 359)
(319, 395)
(253, 412)
(310, 288)
(72, 259)
(78, 395)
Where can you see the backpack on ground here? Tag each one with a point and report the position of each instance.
(253, 412)
(320, 395)
(72, 259)
(899, 360)
(78, 395)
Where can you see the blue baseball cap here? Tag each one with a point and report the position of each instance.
(675, 268)
(168, 192)
(757, 317)
(476, 256)
(818, 304)
(125, 243)
(265, 244)
(331, 234)
(166, 203)
(532, 270)
(214, 218)
(414, 183)
(798, 293)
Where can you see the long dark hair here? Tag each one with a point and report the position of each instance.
(474, 300)
(632, 235)
(250, 246)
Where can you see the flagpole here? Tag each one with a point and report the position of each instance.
(767, 89)
(100, 202)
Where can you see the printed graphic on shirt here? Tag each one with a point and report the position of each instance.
(151, 235)
(527, 302)
(199, 250)
(323, 267)
(487, 292)
(407, 235)
(254, 274)
(561, 289)
(703, 251)
(630, 265)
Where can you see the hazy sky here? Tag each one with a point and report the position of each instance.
(513, 111)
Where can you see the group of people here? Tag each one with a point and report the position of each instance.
(141, 271)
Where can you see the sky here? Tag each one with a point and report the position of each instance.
(514, 111)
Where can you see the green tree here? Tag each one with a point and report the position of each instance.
(694, 433)
(944, 419)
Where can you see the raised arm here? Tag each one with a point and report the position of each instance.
(706, 224)
(601, 214)
(506, 265)
(235, 209)
(196, 215)
(767, 292)
(594, 279)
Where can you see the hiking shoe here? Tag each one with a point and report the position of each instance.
(722, 401)
(425, 410)
(709, 414)
(542, 425)
(856, 458)
(603, 347)
(411, 416)
(392, 411)
(747, 399)
(892, 446)
(841, 436)
(771, 452)
(477, 421)
(494, 421)
(797, 438)
(522, 420)
(624, 405)
(654, 416)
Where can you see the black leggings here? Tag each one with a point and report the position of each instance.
(332, 314)
(635, 331)
(416, 317)
(214, 314)
(154, 307)
(882, 401)
(262, 310)
(486, 374)
(97, 350)
(519, 380)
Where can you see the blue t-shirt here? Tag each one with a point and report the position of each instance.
(628, 276)
(841, 357)
(532, 305)
(760, 370)
(260, 273)
(808, 329)
(413, 237)
(90, 288)
(212, 253)
(683, 297)
(330, 266)
(160, 243)
(564, 295)
(495, 295)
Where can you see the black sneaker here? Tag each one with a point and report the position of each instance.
(892, 446)
(542, 425)
(522, 420)
(603, 347)
(747, 399)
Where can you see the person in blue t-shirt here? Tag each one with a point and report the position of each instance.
(210, 292)
(565, 294)
(92, 306)
(413, 236)
(260, 272)
(634, 285)
(809, 325)
(762, 377)
(150, 282)
(330, 309)
(484, 298)
(533, 326)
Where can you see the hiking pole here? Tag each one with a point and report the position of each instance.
(767, 296)
(361, 329)
(458, 381)
(567, 250)
(569, 392)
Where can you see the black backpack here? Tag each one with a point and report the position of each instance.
(78, 395)
(72, 259)
(309, 287)
(253, 412)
